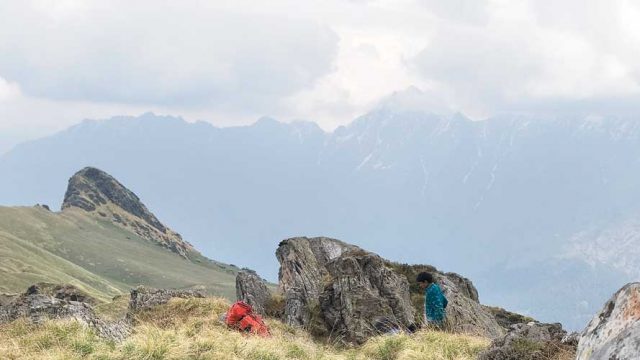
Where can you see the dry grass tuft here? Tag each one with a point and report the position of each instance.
(191, 329)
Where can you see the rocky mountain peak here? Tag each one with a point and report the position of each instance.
(97, 192)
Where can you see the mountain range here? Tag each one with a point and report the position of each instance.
(539, 210)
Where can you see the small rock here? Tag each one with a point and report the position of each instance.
(533, 341)
(47, 301)
(144, 297)
(571, 339)
(61, 291)
(252, 289)
(43, 206)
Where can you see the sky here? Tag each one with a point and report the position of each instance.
(328, 61)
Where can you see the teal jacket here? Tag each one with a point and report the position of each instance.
(434, 304)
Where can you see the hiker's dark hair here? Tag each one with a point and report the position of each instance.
(425, 277)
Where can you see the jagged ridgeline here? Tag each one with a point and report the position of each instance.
(104, 241)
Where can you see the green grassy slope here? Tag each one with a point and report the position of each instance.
(95, 255)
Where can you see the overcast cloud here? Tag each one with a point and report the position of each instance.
(229, 62)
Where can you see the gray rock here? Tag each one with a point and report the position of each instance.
(464, 312)
(38, 304)
(360, 292)
(61, 291)
(351, 289)
(6, 299)
(614, 333)
(571, 339)
(252, 289)
(302, 268)
(505, 318)
(143, 297)
(532, 341)
(463, 285)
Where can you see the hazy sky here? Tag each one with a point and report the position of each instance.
(229, 62)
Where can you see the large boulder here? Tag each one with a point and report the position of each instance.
(614, 333)
(350, 289)
(532, 341)
(143, 297)
(361, 291)
(253, 290)
(465, 314)
(302, 268)
(45, 301)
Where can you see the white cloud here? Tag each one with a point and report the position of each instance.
(8, 90)
(170, 53)
(328, 61)
(529, 52)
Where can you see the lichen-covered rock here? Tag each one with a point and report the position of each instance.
(359, 292)
(252, 289)
(144, 297)
(302, 268)
(463, 285)
(532, 341)
(349, 289)
(39, 303)
(61, 291)
(571, 339)
(6, 299)
(464, 312)
(614, 333)
(97, 192)
(507, 318)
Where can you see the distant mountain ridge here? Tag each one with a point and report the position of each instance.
(498, 199)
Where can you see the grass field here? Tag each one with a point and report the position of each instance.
(97, 256)
(191, 329)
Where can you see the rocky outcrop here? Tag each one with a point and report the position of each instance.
(464, 313)
(505, 318)
(40, 303)
(361, 291)
(61, 291)
(533, 341)
(253, 290)
(51, 301)
(302, 269)
(143, 297)
(614, 333)
(96, 192)
(350, 289)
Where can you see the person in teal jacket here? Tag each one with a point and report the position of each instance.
(435, 302)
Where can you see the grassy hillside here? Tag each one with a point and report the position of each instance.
(95, 255)
(191, 329)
